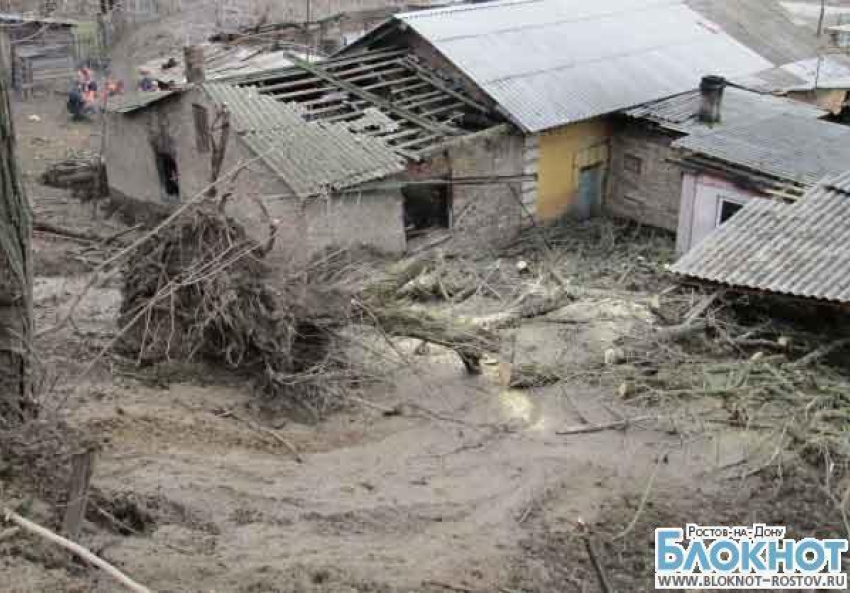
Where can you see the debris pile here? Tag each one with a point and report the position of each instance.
(200, 288)
(749, 372)
(84, 174)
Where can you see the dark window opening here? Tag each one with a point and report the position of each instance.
(728, 210)
(633, 164)
(202, 128)
(168, 177)
(426, 207)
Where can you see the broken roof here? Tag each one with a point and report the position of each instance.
(679, 113)
(825, 72)
(382, 94)
(220, 61)
(802, 249)
(797, 149)
(134, 100)
(310, 157)
(552, 62)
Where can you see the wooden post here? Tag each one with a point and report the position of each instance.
(82, 466)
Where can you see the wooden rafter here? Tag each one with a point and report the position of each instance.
(378, 101)
(425, 74)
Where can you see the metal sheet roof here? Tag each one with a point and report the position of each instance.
(827, 72)
(801, 249)
(552, 62)
(840, 182)
(764, 26)
(310, 157)
(798, 149)
(220, 61)
(679, 113)
(134, 100)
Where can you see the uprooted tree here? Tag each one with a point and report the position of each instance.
(16, 402)
(201, 287)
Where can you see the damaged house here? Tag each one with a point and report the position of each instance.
(363, 150)
(796, 250)
(559, 70)
(781, 158)
(646, 180)
(502, 113)
(823, 81)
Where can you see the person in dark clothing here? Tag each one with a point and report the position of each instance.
(76, 103)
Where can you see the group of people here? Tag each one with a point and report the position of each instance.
(86, 96)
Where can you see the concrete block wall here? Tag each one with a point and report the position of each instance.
(358, 218)
(653, 195)
(487, 215)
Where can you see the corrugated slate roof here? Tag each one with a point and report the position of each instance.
(552, 62)
(801, 249)
(134, 100)
(840, 182)
(679, 113)
(798, 149)
(220, 61)
(309, 156)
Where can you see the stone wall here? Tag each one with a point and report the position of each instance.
(643, 185)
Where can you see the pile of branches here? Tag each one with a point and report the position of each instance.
(201, 288)
(765, 374)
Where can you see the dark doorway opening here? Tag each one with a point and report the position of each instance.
(426, 207)
(168, 176)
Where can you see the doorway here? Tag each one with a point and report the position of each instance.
(590, 185)
(426, 207)
(169, 179)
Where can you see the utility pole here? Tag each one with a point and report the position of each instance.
(309, 33)
(16, 401)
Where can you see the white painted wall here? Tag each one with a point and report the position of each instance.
(702, 198)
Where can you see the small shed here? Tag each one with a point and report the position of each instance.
(796, 250)
(44, 52)
(646, 182)
(780, 159)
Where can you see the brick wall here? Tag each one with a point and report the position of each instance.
(643, 186)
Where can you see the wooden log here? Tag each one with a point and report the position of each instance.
(76, 549)
(469, 340)
(46, 227)
(531, 304)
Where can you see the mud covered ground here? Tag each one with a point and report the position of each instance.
(470, 488)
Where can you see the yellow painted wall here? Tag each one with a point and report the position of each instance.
(563, 153)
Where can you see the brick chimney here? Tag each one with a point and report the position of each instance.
(193, 57)
(711, 90)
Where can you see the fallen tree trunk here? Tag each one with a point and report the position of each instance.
(531, 304)
(45, 227)
(469, 340)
